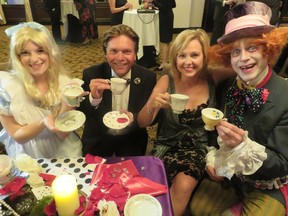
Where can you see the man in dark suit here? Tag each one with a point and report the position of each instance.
(120, 47)
(52, 7)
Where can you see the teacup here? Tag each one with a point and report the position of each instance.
(73, 94)
(6, 169)
(178, 102)
(118, 85)
(211, 117)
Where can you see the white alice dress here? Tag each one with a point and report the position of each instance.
(15, 102)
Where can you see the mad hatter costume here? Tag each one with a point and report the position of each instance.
(248, 170)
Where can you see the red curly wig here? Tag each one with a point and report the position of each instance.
(273, 43)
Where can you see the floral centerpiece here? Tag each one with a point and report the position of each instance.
(114, 184)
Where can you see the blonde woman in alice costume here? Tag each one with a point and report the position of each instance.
(30, 96)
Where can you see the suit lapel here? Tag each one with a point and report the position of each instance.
(134, 88)
(107, 93)
(254, 117)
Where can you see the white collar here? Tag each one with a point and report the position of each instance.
(127, 75)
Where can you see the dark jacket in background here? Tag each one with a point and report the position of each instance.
(52, 7)
(117, 18)
(166, 19)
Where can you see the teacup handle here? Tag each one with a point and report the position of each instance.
(126, 85)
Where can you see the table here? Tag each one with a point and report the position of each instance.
(67, 7)
(146, 25)
(153, 170)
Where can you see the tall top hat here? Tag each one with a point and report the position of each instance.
(248, 19)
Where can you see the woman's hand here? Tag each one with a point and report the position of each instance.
(160, 101)
(128, 5)
(231, 135)
(49, 123)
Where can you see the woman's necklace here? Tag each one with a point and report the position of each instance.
(3, 203)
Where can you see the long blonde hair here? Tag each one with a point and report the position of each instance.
(42, 38)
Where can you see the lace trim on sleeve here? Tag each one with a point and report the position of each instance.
(245, 158)
(210, 157)
(5, 101)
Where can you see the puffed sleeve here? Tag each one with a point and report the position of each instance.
(5, 101)
(245, 158)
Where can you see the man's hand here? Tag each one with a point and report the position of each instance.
(212, 174)
(129, 114)
(97, 86)
(231, 3)
(231, 135)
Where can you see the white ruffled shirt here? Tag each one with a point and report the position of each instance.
(246, 158)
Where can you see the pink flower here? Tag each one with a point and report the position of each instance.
(118, 194)
(48, 178)
(96, 194)
(91, 159)
(50, 209)
(265, 94)
(13, 186)
(81, 208)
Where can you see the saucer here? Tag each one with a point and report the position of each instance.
(116, 120)
(70, 121)
(142, 205)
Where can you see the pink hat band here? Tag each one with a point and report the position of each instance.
(247, 21)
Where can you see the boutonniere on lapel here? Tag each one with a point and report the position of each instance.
(137, 80)
(264, 95)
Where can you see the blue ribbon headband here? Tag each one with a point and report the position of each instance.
(11, 30)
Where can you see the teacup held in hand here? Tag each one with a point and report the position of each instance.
(211, 117)
(73, 95)
(6, 169)
(178, 102)
(118, 85)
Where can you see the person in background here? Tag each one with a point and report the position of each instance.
(87, 17)
(280, 65)
(166, 19)
(31, 99)
(221, 7)
(117, 8)
(181, 139)
(248, 166)
(120, 45)
(52, 7)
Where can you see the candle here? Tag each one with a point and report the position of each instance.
(65, 192)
